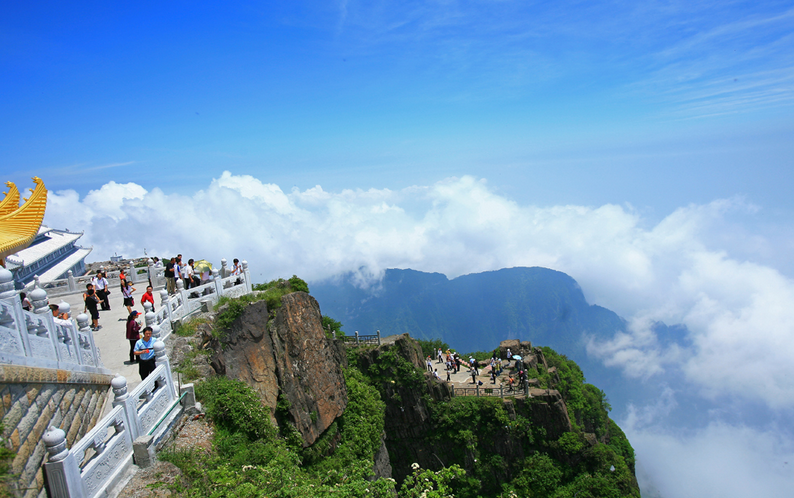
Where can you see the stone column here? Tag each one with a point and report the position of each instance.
(162, 359)
(151, 272)
(71, 280)
(218, 282)
(164, 302)
(84, 325)
(249, 286)
(42, 308)
(224, 269)
(62, 468)
(122, 398)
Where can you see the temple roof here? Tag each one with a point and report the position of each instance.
(54, 241)
(62, 267)
(19, 227)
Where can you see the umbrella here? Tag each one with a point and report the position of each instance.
(516, 357)
(202, 265)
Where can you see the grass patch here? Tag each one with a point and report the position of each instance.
(188, 328)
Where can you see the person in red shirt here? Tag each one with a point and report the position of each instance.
(147, 296)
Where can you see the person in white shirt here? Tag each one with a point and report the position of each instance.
(101, 289)
(187, 274)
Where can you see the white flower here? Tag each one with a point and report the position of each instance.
(415, 466)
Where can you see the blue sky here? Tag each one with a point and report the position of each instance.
(658, 105)
(644, 149)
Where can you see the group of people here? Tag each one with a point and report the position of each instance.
(141, 342)
(175, 270)
(453, 363)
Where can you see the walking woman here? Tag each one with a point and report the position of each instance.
(127, 291)
(133, 334)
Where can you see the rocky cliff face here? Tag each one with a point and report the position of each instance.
(287, 356)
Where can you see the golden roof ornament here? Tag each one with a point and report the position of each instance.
(20, 224)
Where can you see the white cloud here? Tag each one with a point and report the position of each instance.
(678, 271)
(720, 459)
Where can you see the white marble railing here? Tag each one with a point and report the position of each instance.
(74, 285)
(37, 339)
(96, 463)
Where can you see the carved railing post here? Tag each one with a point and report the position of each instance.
(216, 278)
(224, 269)
(122, 398)
(249, 286)
(62, 467)
(151, 272)
(378, 333)
(357, 344)
(42, 308)
(71, 280)
(162, 359)
(156, 331)
(164, 302)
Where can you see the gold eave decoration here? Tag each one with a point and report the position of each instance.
(20, 224)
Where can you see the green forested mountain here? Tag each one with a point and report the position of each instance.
(472, 312)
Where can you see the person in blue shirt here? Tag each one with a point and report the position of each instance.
(145, 349)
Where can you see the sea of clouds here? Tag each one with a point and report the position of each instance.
(685, 269)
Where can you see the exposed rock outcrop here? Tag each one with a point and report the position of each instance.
(287, 356)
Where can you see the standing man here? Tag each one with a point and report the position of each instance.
(144, 349)
(101, 289)
(170, 283)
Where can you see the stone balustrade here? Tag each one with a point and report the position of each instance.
(37, 339)
(139, 420)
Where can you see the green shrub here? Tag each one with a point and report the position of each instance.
(430, 348)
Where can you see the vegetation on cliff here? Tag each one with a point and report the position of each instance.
(439, 445)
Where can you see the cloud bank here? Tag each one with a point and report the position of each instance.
(739, 320)
(737, 311)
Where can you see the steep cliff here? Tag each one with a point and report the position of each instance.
(288, 361)
(369, 413)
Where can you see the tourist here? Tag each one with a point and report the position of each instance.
(435, 374)
(509, 356)
(144, 349)
(440, 356)
(133, 334)
(473, 377)
(127, 291)
(170, 283)
(147, 297)
(188, 274)
(447, 375)
(195, 281)
(26, 304)
(429, 364)
(101, 289)
(238, 268)
(91, 303)
(122, 279)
